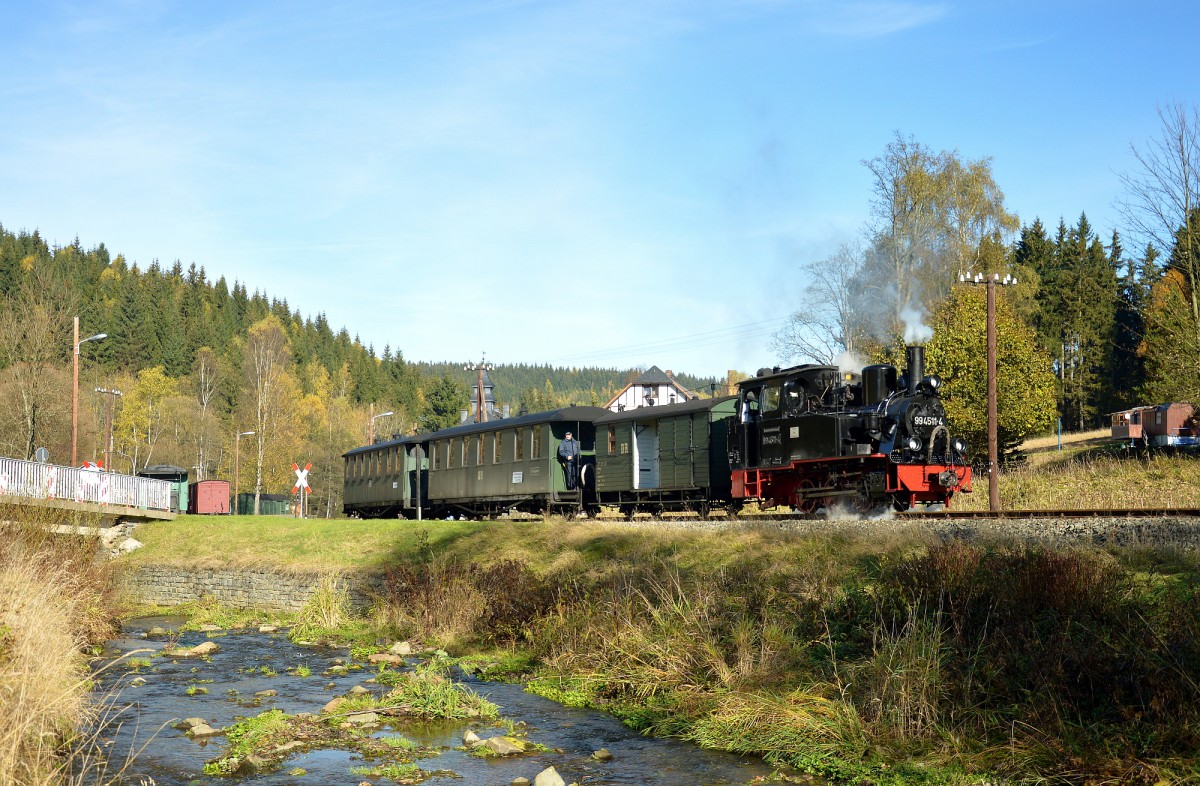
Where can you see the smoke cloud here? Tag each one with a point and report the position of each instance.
(849, 361)
(915, 329)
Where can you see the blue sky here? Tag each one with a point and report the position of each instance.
(583, 183)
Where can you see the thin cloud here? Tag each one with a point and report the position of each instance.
(875, 19)
(1028, 44)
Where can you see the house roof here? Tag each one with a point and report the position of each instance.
(652, 376)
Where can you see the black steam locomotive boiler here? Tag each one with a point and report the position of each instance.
(810, 435)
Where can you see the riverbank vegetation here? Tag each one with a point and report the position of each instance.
(56, 600)
(881, 654)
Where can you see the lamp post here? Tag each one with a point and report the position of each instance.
(112, 396)
(75, 388)
(993, 441)
(371, 432)
(237, 441)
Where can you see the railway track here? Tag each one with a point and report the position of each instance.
(1086, 513)
(947, 515)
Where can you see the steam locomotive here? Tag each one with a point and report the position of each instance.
(806, 437)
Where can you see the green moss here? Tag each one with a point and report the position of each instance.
(396, 772)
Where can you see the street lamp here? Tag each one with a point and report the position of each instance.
(75, 388)
(371, 433)
(112, 396)
(993, 441)
(237, 441)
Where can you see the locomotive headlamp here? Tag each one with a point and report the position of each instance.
(960, 446)
(934, 382)
(914, 443)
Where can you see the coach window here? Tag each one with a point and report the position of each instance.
(519, 445)
(612, 440)
(437, 455)
(535, 452)
(451, 454)
(462, 446)
(497, 447)
(479, 453)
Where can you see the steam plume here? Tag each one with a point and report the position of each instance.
(849, 361)
(915, 329)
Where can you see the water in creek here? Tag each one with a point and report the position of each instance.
(236, 673)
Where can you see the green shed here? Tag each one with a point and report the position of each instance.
(177, 477)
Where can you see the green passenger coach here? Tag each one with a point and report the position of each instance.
(670, 457)
(512, 464)
(652, 459)
(475, 469)
(387, 479)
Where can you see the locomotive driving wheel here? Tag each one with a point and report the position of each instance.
(866, 505)
(806, 504)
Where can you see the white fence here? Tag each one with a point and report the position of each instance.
(47, 481)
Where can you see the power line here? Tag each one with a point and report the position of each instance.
(690, 341)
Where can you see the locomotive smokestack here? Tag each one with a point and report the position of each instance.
(915, 372)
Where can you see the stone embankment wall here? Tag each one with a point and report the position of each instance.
(170, 586)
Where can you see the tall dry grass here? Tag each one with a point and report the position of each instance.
(1094, 480)
(55, 599)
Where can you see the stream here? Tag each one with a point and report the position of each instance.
(223, 690)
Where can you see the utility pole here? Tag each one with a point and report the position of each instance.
(479, 368)
(992, 416)
(75, 386)
(112, 394)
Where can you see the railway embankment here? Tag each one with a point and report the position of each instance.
(285, 587)
(238, 588)
(885, 651)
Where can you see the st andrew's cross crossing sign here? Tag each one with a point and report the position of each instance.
(301, 478)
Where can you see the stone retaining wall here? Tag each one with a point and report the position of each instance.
(169, 586)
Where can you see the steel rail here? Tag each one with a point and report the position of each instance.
(1080, 513)
(945, 515)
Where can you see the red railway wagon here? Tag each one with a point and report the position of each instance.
(209, 496)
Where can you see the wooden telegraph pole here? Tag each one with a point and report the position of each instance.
(479, 368)
(991, 283)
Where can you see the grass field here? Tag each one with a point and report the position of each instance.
(1088, 473)
(288, 544)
